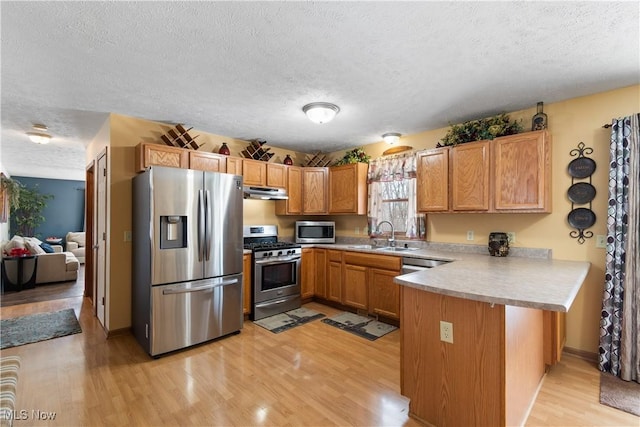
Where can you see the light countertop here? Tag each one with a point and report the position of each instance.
(540, 283)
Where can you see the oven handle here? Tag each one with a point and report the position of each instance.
(269, 303)
(278, 261)
(199, 288)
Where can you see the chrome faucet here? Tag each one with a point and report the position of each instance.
(391, 239)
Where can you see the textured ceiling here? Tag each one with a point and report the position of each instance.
(245, 69)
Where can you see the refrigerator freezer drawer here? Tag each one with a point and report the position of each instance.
(190, 313)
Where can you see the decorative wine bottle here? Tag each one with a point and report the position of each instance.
(288, 160)
(539, 121)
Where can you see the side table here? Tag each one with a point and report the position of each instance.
(19, 273)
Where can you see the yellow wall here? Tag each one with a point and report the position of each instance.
(570, 122)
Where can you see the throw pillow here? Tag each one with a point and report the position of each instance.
(15, 242)
(78, 237)
(33, 248)
(47, 248)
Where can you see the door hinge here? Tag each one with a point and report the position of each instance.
(104, 236)
(102, 300)
(104, 172)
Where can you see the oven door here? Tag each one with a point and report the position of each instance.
(276, 278)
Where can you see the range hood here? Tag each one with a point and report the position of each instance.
(265, 193)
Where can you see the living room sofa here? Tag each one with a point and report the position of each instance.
(57, 266)
(75, 241)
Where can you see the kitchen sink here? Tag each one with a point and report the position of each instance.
(396, 249)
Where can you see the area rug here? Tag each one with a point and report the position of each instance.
(37, 327)
(289, 319)
(619, 394)
(362, 326)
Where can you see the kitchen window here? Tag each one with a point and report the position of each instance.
(392, 196)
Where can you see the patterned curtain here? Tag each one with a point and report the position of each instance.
(392, 194)
(620, 322)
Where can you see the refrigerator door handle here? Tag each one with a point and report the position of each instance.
(208, 237)
(199, 288)
(201, 237)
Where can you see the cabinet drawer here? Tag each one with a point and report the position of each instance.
(334, 255)
(385, 262)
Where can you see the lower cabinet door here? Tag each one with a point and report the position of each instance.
(384, 297)
(355, 286)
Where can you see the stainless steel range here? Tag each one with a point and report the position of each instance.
(276, 271)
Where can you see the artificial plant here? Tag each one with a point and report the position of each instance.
(9, 195)
(478, 130)
(357, 155)
(27, 214)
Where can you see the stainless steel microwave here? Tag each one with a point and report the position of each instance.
(315, 232)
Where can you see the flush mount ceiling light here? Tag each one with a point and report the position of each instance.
(39, 135)
(391, 138)
(321, 112)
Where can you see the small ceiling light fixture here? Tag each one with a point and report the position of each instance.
(321, 112)
(39, 136)
(391, 138)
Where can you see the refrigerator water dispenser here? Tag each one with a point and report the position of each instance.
(173, 232)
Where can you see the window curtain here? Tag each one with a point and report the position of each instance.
(394, 178)
(620, 322)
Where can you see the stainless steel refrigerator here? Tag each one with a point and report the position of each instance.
(187, 257)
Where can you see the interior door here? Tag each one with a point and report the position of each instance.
(100, 241)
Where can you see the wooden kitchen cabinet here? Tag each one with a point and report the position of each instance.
(254, 173)
(321, 265)
(508, 174)
(150, 154)
(210, 162)
(234, 165)
(433, 180)
(384, 294)
(522, 172)
(308, 273)
(334, 273)
(355, 287)
(348, 189)
(293, 205)
(276, 175)
(247, 265)
(314, 187)
(470, 176)
(554, 336)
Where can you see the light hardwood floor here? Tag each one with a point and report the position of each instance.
(312, 375)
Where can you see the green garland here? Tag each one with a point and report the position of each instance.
(478, 130)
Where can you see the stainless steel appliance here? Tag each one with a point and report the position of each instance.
(315, 232)
(411, 265)
(276, 271)
(187, 257)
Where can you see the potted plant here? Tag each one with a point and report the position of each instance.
(478, 130)
(27, 214)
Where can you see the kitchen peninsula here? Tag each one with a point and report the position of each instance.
(490, 373)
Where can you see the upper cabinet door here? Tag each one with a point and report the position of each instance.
(276, 175)
(314, 187)
(149, 154)
(293, 205)
(433, 180)
(523, 172)
(470, 176)
(234, 165)
(254, 172)
(210, 162)
(348, 189)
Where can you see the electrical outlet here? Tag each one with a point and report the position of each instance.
(601, 241)
(512, 236)
(127, 236)
(470, 235)
(446, 332)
